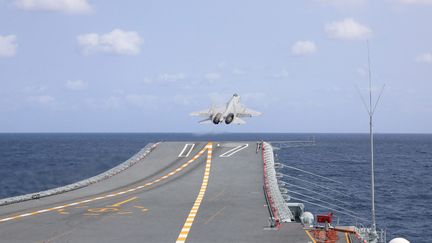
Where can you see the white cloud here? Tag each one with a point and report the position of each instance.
(42, 99)
(118, 42)
(212, 76)
(303, 48)
(347, 29)
(76, 85)
(172, 77)
(425, 57)
(66, 6)
(8, 45)
(415, 2)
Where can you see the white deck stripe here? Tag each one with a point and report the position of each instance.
(188, 145)
(234, 150)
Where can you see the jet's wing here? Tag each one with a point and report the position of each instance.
(206, 112)
(246, 112)
(205, 121)
(209, 111)
(238, 121)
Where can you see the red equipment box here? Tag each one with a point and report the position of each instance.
(325, 218)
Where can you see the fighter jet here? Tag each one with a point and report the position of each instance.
(230, 113)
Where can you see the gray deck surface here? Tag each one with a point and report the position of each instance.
(233, 208)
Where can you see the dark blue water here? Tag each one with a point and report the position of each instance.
(35, 162)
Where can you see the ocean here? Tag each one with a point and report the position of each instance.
(403, 165)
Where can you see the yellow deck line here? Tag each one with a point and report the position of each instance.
(123, 202)
(191, 217)
(310, 236)
(346, 238)
(183, 166)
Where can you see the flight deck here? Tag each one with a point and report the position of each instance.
(179, 192)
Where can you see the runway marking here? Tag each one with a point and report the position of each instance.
(234, 150)
(182, 167)
(310, 236)
(218, 195)
(182, 153)
(191, 217)
(61, 211)
(143, 209)
(214, 215)
(124, 212)
(102, 210)
(123, 202)
(107, 209)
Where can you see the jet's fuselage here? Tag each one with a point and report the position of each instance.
(231, 112)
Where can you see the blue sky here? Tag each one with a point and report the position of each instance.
(142, 66)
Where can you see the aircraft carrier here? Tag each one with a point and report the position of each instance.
(174, 192)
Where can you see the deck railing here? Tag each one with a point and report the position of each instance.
(104, 175)
(279, 208)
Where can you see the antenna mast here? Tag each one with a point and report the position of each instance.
(374, 232)
(371, 111)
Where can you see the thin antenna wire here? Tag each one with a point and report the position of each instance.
(379, 97)
(320, 200)
(307, 172)
(362, 99)
(280, 174)
(284, 183)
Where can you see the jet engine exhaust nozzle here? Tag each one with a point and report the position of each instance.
(229, 118)
(217, 118)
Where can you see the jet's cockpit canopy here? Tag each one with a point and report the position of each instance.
(235, 95)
